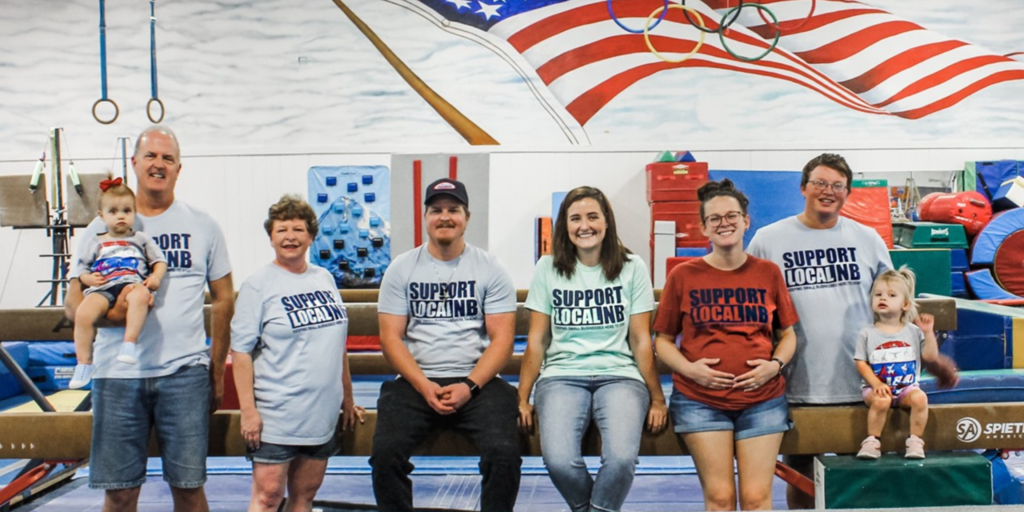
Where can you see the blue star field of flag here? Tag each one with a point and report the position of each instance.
(483, 14)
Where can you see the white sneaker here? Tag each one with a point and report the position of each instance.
(81, 377)
(870, 448)
(127, 354)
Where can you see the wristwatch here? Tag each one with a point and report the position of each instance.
(781, 365)
(474, 390)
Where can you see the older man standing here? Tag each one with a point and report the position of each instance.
(447, 318)
(177, 374)
(829, 263)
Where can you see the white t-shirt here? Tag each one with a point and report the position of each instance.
(895, 358)
(445, 302)
(174, 335)
(829, 273)
(295, 326)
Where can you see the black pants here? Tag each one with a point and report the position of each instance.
(404, 420)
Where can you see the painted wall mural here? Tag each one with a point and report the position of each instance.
(388, 74)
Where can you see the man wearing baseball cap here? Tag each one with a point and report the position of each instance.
(447, 320)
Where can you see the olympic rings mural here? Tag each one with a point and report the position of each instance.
(697, 21)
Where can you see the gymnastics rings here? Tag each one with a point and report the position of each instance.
(632, 30)
(101, 101)
(778, 33)
(152, 67)
(149, 110)
(722, 27)
(647, 37)
(103, 71)
(814, 5)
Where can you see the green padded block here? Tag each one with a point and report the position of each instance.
(918, 235)
(932, 267)
(870, 183)
(943, 479)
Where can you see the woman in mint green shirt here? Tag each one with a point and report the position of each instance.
(589, 353)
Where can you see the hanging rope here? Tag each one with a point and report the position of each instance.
(103, 71)
(154, 98)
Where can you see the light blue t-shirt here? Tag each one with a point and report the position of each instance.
(174, 335)
(590, 317)
(445, 303)
(295, 326)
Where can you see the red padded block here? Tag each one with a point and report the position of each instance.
(870, 206)
(686, 216)
(1009, 263)
(969, 209)
(675, 261)
(675, 181)
(363, 344)
(230, 401)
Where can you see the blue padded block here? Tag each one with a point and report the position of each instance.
(691, 252)
(352, 187)
(958, 285)
(321, 198)
(51, 353)
(9, 386)
(374, 222)
(958, 260)
(327, 229)
(369, 197)
(985, 386)
(52, 378)
(363, 233)
(367, 179)
(331, 181)
(774, 195)
(338, 207)
(985, 245)
(556, 203)
(979, 343)
(983, 286)
(357, 210)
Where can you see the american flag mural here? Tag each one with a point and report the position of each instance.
(861, 57)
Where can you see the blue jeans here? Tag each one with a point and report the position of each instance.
(565, 407)
(124, 411)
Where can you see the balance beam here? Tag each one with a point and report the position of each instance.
(827, 429)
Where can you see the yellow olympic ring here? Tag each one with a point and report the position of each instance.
(647, 28)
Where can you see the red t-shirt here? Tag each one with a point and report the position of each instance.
(726, 314)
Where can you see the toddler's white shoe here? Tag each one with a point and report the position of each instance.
(81, 377)
(127, 354)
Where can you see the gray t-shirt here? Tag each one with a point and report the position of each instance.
(829, 273)
(295, 326)
(895, 358)
(123, 260)
(174, 337)
(445, 302)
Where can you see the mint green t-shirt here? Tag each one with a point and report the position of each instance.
(590, 317)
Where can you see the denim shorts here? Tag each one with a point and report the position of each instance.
(269, 453)
(112, 293)
(768, 417)
(176, 406)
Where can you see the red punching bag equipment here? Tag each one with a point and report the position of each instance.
(969, 209)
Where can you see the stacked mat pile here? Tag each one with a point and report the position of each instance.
(51, 364)
(9, 385)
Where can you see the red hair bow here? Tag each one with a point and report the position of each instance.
(106, 184)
